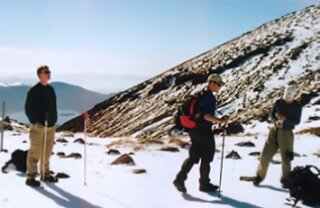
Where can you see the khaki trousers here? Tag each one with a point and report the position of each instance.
(35, 153)
(278, 139)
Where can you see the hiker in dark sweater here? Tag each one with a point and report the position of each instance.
(41, 105)
(285, 114)
(202, 138)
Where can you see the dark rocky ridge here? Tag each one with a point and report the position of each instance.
(256, 67)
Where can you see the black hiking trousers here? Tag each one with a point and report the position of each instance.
(202, 148)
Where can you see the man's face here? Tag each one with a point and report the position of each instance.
(288, 101)
(214, 87)
(45, 75)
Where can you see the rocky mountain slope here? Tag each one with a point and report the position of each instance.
(256, 66)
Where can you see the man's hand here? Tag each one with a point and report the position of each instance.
(279, 124)
(281, 117)
(214, 119)
(224, 119)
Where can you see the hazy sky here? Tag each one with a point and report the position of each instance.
(109, 45)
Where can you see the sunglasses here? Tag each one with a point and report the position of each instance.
(47, 72)
(219, 84)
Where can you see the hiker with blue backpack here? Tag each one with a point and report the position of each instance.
(197, 115)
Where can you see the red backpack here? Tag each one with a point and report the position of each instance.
(188, 114)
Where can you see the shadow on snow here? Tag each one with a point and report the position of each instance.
(223, 200)
(68, 199)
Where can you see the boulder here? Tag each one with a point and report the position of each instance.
(113, 152)
(312, 130)
(61, 175)
(7, 119)
(93, 144)
(254, 153)
(74, 155)
(139, 171)
(296, 154)
(305, 98)
(62, 140)
(124, 159)
(233, 155)
(61, 154)
(317, 154)
(169, 149)
(246, 144)
(79, 141)
(233, 128)
(314, 118)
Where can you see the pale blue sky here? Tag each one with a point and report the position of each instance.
(112, 44)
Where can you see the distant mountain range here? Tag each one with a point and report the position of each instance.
(71, 99)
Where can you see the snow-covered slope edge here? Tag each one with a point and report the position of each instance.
(256, 67)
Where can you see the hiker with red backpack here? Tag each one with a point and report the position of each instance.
(198, 124)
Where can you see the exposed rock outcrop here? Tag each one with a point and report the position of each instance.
(255, 66)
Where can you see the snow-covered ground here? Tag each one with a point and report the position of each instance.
(116, 186)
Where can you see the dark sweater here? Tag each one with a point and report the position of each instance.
(41, 100)
(292, 112)
(207, 105)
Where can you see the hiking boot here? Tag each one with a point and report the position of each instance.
(33, 182)
(50, 179)
(257, 180)
(209, 187)
(180, 186)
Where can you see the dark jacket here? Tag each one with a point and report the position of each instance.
(41, 100)
(206, 105)
(202, 135)
(291, 111)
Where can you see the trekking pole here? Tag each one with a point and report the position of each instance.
(85, 119)
(2, 124)
(44, 150)
(222, 158)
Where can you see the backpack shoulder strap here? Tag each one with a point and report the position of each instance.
(193, 105)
